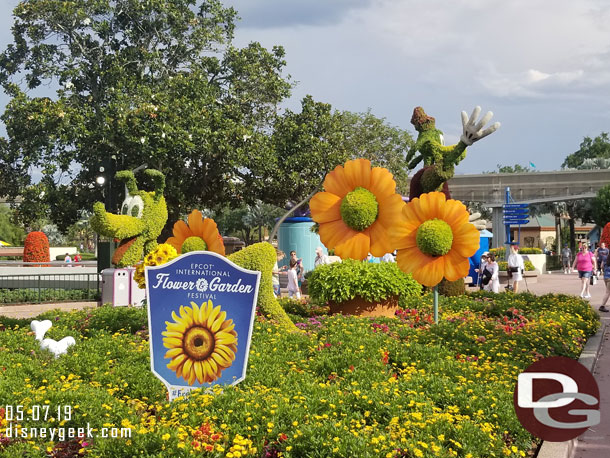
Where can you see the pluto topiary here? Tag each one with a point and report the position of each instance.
(36, 248)
(143, 215)
(262, 257)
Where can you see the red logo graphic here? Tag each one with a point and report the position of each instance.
(557, 399)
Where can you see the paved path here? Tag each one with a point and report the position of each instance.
(32, 310)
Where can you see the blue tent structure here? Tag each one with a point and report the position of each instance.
(475, 259)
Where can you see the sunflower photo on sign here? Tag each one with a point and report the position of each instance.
(201, 314)
(201, 341)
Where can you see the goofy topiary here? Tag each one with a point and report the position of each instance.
(143, 215)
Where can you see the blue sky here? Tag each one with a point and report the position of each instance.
(541, 66)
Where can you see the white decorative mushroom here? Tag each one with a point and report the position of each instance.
(40, 328)
(58, 348)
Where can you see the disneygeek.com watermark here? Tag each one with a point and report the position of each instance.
(14, 415)
(557, 399)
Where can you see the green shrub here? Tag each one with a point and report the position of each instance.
(451, 288)
(529, 267)
(302, 307)
(501, 252)
(15, 296)
(262, 257)
(342, 281)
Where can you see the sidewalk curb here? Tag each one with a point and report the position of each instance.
(587, 358)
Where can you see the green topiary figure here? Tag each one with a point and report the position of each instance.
(262, 257)
(439, 160)
(451, 288)
(36, 247)
(143, 215)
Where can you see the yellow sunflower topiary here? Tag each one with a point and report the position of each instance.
(358, 205)
(200, 234)
(434, 239)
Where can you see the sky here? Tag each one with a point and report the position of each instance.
(541, 66)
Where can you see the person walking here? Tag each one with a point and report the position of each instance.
(566, 259)
(481, 270)
(275, 274)
(606, 269)
(320, 258)
(492, 267)
(293, 283)
(515, 267)
(601, 255)
(585, 263)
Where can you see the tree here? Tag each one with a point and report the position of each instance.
(9, 231)
(517, 168)
(152, 82)
(601, 207)
(308, 145)
(384, 145)
(590, 148)
(244, 221)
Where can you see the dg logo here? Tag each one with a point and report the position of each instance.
(557, 399)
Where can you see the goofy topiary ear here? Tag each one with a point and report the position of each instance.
(159, 180)
(130, 181)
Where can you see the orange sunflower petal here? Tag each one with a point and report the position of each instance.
(334, 233)
(356, 247)
(432, 273)
(432, 205)
(358, 173)
(455, 213)
(325, 207)
(403, 235)
(380, 239)
(411, 259)
(336, 182)
(382, 183)
(410, 213)
(390, 207)
(217, 245)
(195, 222)
(173, 241)
(181, 231)
(466, 240)
(456, 266)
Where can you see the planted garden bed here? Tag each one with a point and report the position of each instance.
(346, 386)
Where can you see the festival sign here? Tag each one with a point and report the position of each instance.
(201, 309)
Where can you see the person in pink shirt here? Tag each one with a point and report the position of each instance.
(585, 263)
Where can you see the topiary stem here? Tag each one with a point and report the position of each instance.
(435, 295)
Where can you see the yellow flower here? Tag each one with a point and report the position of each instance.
(434, 239)
(199, 234)
(358, 205)
(201, 342)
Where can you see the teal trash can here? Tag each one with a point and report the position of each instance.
(295, 235)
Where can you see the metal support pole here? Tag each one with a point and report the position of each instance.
(499, 238)
(507, 226)
(435, 304)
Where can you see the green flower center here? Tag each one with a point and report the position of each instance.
(434, 237)
(193, 244)
(359, 209)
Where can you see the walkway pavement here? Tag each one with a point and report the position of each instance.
(32, 310)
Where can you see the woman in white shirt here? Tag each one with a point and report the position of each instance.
(515, 267)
